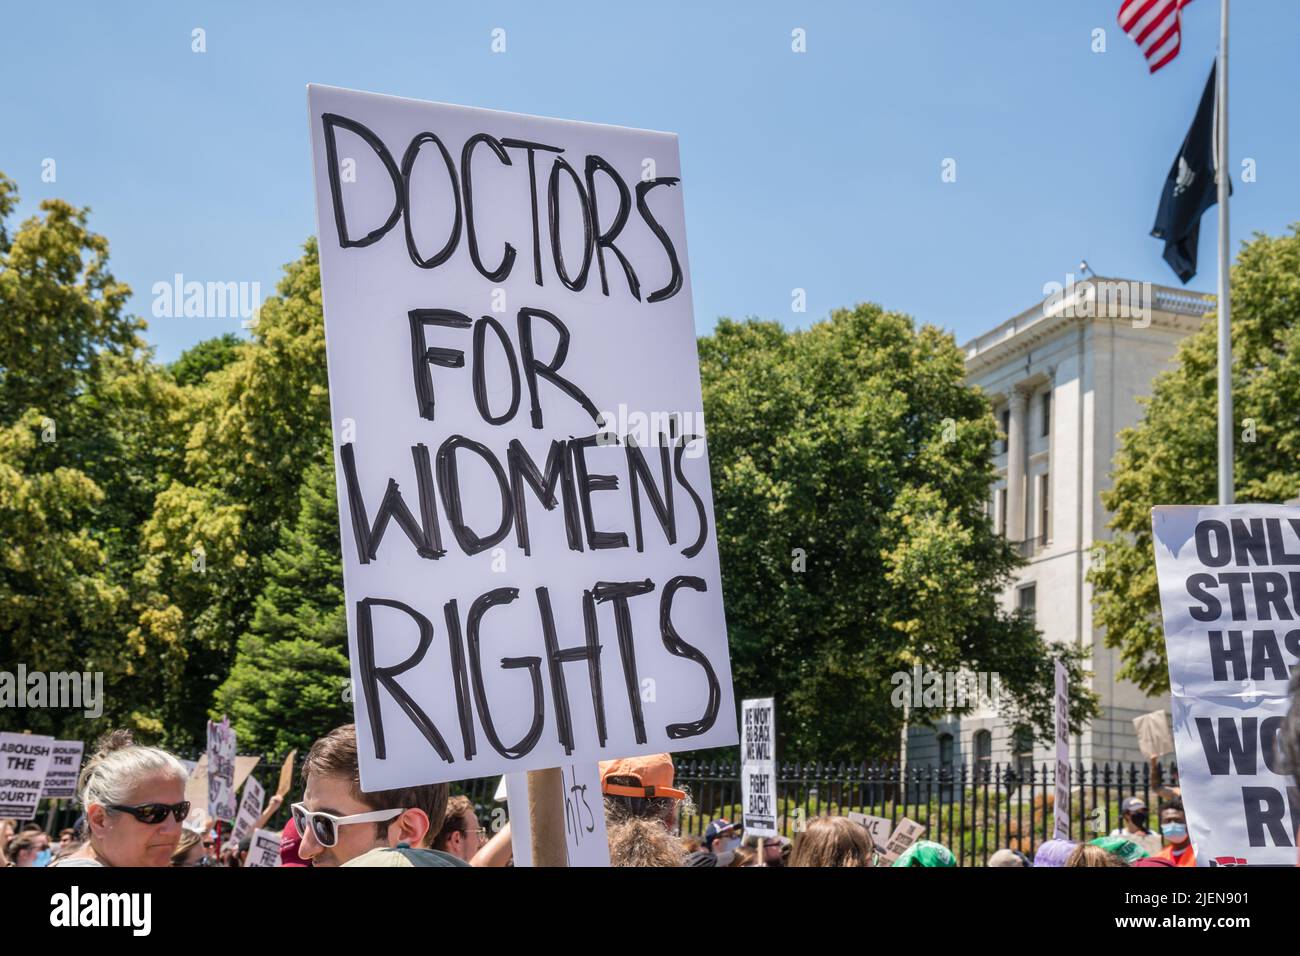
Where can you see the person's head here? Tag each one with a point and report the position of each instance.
(1173, 822)
(642, 788)
(411, 815)
(290, 842)
(926, 853)
(643, 841)
(67, 837)
(8, 827)
(776, 850)
(25, 848)
(1086, 854)
(721, 836)
(832, 841)
(190, 851)
(690, 844)
(1053, 853)
(461, 835)
(743, 856)
(1008, 857)
(133, 798)
(1134, 810)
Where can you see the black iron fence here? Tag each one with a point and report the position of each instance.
(972, 810)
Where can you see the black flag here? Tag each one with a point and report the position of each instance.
(1189, 189)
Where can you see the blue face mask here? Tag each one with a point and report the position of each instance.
(42, 858)
(1174, 831)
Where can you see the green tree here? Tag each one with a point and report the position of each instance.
(286, 687)
(1171, 456)
(851, 465)
(252, 427)
(80, 445)
(62, 309)
(208, 356)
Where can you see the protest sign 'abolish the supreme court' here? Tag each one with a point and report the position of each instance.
(1230, 596)
(529, 582)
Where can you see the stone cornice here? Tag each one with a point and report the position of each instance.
(1172, 309)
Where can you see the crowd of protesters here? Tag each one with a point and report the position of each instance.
(134, 811)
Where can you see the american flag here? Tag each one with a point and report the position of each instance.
(1156, 27)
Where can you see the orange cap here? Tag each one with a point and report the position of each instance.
(654, 773)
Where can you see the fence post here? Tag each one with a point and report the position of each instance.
(961, 822)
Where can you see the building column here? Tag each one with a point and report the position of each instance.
(1018, 403)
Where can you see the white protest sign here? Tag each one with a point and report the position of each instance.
(905, 834)
(758, 766)
(263, 849)
(65, 767)
(1154, 736)
(221, 770)
(250, 808)
(1230, 595)
(1061, 805)
(878, 828)
(529, 557)
(585, 837)
(24, 761)
(196, 787)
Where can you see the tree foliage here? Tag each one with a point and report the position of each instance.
(851, 464)
(176, 527)
(77, 397)
(1171, 456)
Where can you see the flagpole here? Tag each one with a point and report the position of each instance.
(1225, 300)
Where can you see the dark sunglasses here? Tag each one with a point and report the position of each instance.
(155, 813)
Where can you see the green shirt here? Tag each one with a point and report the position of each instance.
(405, 855)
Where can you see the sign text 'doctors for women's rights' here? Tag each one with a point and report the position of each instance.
(524, 588)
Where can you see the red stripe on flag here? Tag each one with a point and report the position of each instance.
(1133, 15)
(1165, 59)
(1143, 19)
(1160, 18)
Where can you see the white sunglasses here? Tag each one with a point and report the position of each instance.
(325, 826)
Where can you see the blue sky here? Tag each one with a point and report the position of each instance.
(818, 170)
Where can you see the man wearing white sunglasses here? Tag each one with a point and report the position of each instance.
(339, 822)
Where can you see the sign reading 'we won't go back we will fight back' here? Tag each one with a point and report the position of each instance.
(529, 556)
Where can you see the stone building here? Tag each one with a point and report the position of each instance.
(1064, 377)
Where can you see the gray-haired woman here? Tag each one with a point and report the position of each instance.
(133, 798)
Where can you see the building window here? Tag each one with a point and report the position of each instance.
(1044, 506)
(1022, 747)
(1002, 511)
(1003, 445)
(945, 751)
(1047, 413)
(983, 754)
(1027, 600)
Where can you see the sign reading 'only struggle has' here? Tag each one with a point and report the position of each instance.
(1230, 594)
(531, 571)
